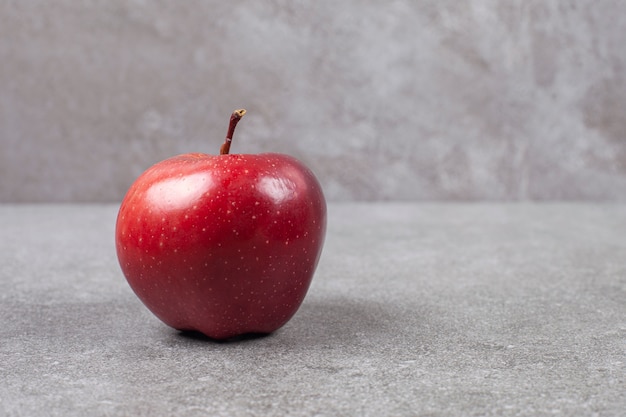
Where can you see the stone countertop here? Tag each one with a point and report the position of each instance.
(416, 309)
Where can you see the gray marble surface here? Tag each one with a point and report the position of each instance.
(416, 309)
(416, 100)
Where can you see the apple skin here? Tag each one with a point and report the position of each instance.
(225, 245)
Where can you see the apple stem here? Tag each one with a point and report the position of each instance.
(234, 119)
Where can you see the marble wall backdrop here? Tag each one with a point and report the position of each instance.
(385, 100)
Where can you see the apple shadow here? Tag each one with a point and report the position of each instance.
(334, 320)
(196, 336)
(343, 321)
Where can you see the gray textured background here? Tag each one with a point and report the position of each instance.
(408, 100)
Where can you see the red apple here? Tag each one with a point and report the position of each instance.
(222, 244)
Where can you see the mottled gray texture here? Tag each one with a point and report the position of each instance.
(408, 100)
(438, 310)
